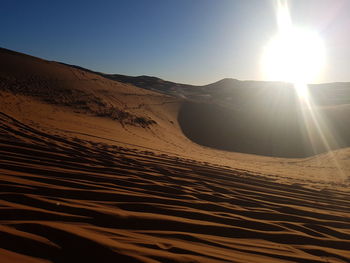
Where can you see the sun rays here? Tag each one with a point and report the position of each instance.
(298, 55)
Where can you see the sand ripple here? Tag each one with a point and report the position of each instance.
(68, 200)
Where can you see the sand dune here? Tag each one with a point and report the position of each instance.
(81, 186)
(256, 117)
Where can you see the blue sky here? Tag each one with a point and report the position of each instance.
(189, 41)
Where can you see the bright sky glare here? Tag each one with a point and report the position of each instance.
(295, 54)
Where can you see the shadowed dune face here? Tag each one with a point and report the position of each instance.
(269, 122)
(252, 132)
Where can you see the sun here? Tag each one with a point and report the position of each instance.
(294, 54)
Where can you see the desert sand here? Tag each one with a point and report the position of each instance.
(93, 169)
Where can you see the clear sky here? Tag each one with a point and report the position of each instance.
(188, 41)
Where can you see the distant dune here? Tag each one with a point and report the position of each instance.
(111, 168)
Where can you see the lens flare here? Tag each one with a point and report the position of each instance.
(297, 55)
